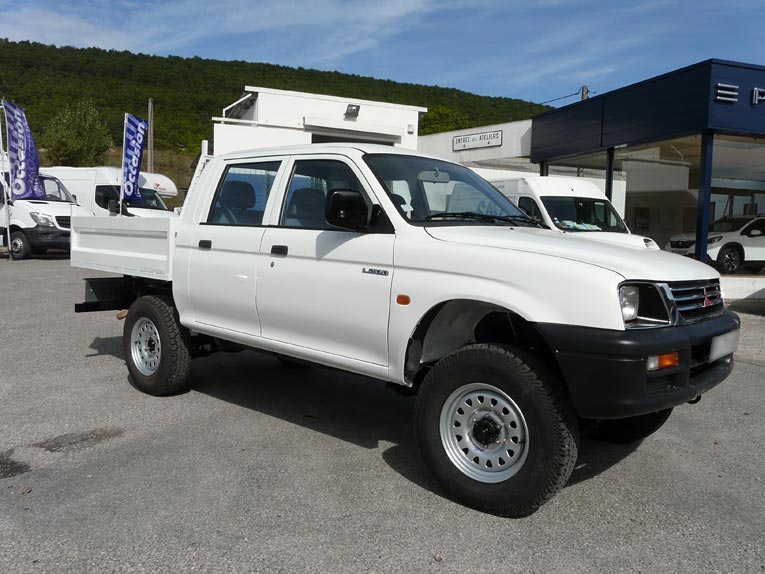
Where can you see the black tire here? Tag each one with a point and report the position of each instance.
(547, 453)
(172, 365)
(20, 246)
(625, 431)
(729, 260)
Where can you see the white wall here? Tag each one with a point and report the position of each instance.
(516, 142)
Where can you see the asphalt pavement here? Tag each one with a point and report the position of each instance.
(263, 468)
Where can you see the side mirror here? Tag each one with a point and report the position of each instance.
(74, 197)
(346, 209)
(114, 207)
(755, 233)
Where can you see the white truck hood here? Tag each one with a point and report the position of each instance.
(54, 208)
(630, 261)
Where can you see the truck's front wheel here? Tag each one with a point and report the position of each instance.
(20, 246)
(496, 430)
(156, 347)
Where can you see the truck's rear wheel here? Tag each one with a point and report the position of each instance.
(631, 429)
(495, 430)
(156, 347)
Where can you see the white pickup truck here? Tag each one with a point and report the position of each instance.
(511, 335)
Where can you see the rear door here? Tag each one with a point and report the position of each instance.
(226, 243)
(319, 287)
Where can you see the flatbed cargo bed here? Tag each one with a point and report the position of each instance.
(137, 246)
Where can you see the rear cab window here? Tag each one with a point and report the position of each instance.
(243, 193)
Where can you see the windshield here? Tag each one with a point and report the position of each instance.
(583, 214)
(431, 191)
(149, 199)
(55, 190)
(728, 224)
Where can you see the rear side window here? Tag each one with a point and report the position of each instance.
(242, 194)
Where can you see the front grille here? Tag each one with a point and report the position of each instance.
(64, 221)
(697, 300)
(685, 244)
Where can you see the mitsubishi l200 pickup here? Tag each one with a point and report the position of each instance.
(415, 271)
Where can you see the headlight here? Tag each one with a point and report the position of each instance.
(629, 297)
(42, 219)
(643, 306)
(714, 239)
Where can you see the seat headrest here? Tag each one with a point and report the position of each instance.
(308, 200)
(237, 195)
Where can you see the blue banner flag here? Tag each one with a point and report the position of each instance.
(22, 155)
(135, 134)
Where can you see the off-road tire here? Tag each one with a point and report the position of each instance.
(625, 431)
(172, 371)
(552, 439)
(729, 260)
(20, 246)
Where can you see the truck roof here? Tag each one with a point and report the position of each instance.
(327, 148)
(557, 186)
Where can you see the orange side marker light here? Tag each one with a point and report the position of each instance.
(403, 299)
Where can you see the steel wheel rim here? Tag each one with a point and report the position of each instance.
(145, 346)
(17, 246)
(731, 260)
(476, 407)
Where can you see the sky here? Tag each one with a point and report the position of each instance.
(536, 50)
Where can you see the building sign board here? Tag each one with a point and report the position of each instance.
(479, 140)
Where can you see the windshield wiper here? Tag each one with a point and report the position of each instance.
(485, 217)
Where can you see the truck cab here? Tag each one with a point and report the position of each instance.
(568, 205)
(38, 224)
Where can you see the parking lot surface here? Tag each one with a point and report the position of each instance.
(262, 468)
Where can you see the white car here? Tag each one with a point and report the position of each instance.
(733, 243)
(415, 271)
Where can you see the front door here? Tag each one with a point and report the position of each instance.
(319, 287)
(754, 243)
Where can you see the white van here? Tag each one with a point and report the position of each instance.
(37, 224)
(569, 205)
(94, 187)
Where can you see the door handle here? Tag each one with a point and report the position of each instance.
(279, 250)
(205, 244)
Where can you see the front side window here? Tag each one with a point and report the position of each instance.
(243, 193)
(312, 180)
(530, 206)
(55, 190)
(149, 199)
(583, 214)
(429, 191)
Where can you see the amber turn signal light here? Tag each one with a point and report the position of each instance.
(403, 299)
(663, 361)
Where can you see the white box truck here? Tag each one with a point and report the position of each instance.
(415, 271)
(94, 187)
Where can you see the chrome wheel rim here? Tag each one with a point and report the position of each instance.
(484, 433)
(731, 260)
(17, 246)
(145, 346)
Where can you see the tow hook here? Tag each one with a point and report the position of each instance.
(694, 401)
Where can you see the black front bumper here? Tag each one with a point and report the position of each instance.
(47, 237)
(606, 372)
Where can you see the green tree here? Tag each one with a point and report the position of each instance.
(76, 136)
(443, 119)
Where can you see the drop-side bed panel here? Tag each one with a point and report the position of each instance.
(138, 246)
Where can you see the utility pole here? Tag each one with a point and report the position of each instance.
(151, 137)
(584, 89)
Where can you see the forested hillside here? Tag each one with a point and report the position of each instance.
(188, 91)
